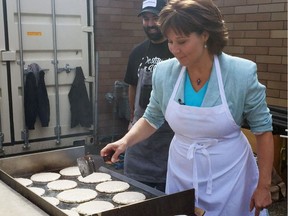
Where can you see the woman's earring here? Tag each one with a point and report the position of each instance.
(205, 46)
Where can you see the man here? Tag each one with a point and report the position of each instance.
(147, 161)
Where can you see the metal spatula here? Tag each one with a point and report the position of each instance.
(89, 164)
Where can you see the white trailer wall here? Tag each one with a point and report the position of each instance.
(33, 37)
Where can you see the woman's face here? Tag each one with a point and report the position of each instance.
(187, 49)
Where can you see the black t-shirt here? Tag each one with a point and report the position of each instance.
(146, 54)
(153, 166)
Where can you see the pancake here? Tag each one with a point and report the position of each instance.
(61, 184)
(45, 177)
(112, 186)
(70, 171)
(52, 200)
(95, 177)
(37, 190)
(70, 212)
(24, 181)
(128, 197)
(77, 195)
(94, 207)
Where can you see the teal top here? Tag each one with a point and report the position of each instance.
(245, 95)
(191, 97)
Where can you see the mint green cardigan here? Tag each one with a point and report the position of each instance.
(245, 95)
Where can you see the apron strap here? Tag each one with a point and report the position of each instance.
(178, 82)
(220, 82)
(200, 147)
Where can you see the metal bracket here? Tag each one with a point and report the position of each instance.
(57, 131)
(25, 137)
(19, 62)
(283, 153)
(53, 62)
(88, 29)
(89, 79)
(67, 69)
(1, 143)
(7, 55)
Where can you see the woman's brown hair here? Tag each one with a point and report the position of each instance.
(188, 16)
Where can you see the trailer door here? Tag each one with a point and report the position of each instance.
(57, 36)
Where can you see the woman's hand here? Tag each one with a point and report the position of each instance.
(261, 199)
(114, 150)
(141, 130)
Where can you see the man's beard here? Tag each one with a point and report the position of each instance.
(155, 36)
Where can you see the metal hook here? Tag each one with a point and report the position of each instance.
(67, 68)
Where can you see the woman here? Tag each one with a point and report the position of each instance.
(205, 95)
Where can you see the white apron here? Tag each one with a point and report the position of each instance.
(211, 154)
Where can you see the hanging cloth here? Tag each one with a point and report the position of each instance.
(43, 101)
(80, 105)
(36, 101)
(30, 100)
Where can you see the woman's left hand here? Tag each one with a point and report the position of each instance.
(261, 199)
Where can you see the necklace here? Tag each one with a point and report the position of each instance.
(198, 81)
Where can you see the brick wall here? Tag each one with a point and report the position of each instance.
(117, 31)
(257, 31)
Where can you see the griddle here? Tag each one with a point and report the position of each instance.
(156, 204)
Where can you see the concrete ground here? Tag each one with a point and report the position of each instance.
(278, 208)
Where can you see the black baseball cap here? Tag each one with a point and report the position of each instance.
(152, 6)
